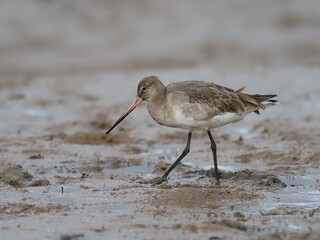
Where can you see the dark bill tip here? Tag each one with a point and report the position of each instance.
(132, 106)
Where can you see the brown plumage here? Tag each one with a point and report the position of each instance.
(222, 98)
(195, 105)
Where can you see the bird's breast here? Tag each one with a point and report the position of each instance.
(157, 112)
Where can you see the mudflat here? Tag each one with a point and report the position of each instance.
(61, 177)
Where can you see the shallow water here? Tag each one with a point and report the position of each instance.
(69, 69)
(301, 192)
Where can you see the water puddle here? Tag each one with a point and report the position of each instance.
(244, 130)
(309, 199)
(144, 168)
(301, 192)
(298, 181)
(160, 151)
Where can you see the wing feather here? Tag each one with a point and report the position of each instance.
(214, 96)
(218, 98)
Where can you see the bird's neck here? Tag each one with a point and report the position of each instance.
(158, 98)
(156, 106)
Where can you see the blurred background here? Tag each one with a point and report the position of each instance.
(69, 68)
(97, 36)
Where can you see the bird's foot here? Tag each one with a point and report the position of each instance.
(154, 181)
(215, 182)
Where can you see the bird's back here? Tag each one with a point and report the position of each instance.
(212, 95)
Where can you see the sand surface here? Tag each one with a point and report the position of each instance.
(69, 69)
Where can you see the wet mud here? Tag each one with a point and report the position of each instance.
(268, 171)
(61, 177)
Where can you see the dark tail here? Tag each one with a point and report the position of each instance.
(263, 98)
(265, 101)
(260, 101)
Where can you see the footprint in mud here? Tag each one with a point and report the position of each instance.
(260, 178)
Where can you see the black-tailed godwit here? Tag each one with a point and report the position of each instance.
(195, 105)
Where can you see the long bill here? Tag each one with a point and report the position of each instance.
(132, 106)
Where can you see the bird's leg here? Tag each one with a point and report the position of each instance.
(215, 161)
(186, 150)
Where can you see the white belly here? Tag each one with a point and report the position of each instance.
(191, 116)
(189, 122)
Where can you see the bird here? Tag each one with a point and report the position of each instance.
(195, 105)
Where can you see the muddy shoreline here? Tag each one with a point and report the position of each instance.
(270, 182)
(68, 69)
